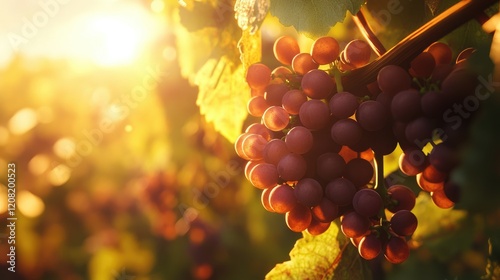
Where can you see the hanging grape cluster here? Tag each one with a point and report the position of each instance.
(314, 152)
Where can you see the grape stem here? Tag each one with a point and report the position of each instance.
(380, 187)
(408, 48)
(338, 78)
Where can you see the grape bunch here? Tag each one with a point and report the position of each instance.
(314, 152)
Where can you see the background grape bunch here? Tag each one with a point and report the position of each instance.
(317, 152)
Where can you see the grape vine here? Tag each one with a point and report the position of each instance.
(329, 116)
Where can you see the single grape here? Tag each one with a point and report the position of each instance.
(253, 146)
(357, 53)
(285, 49)
(274, 151)
(258, 76)
(371, 115)
(412, 162)
(276, 118)
(404, 223)
(299, 218)
(303, 63)
(325, 50)
(293, 100)
(367, 202)
(282, 199)
(441, 52)
(441, 200)
(330, 166)
(423, 65)
(314, 114)
(317, 84)
(299, 140)
(346, 132)
(257, 105)
(396, 250)
(403, 197)
(369, 247)
(405, 105)
(317, 227)
(325, 211)
(292, 167)
(393, 79)
(264, 175)
(359, 172)
(343, 105)
(274, 94)
(308, 192)
(428, 186)
(340, 191)
(420, 130)
(355, 225)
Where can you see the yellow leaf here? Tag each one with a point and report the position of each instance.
(325, 256)
(250, 46)
(223, 95)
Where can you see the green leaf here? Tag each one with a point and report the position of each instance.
(326, 256)
(313, 17)
(223, 94)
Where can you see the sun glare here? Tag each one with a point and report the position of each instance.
(116, 38)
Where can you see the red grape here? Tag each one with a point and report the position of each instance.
(285, 49)
(258, 76)
(325, 50)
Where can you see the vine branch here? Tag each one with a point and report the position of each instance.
(408, 48)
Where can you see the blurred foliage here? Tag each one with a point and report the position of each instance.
(119, 179)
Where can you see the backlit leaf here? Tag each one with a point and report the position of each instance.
(313, 17)
(326, 256)
(223, 94)
(250, 46)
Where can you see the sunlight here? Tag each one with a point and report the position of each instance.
(117, 38)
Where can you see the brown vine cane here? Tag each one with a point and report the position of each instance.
(402, 53)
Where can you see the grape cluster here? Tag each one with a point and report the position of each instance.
(313, 152)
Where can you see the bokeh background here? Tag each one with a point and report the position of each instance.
(118, 174)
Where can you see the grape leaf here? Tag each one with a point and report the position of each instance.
(250, 46)
(251, 13)
(313, 17)
(215, 65)
(223, 94)
(325, 256)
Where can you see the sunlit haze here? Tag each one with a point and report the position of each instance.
(107, 33)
